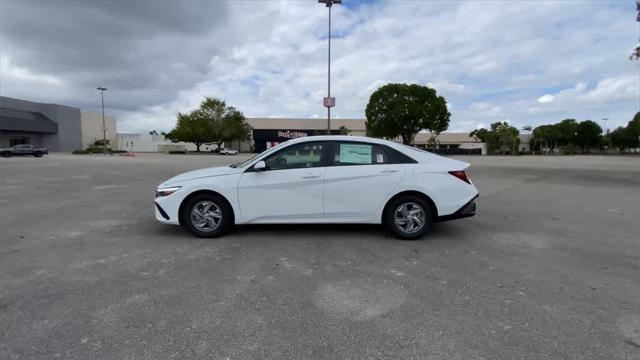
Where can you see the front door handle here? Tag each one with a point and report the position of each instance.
(388, 171)
(311, 176)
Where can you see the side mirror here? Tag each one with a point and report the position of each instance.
(260, 166)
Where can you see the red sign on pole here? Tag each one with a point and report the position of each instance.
(329, 102)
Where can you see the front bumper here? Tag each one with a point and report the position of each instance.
(467, 210)
(162, 214)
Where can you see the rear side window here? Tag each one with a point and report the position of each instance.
(356, 153)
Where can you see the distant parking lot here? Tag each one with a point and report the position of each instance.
(548, 269)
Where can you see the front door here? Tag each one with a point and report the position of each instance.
(289, 190)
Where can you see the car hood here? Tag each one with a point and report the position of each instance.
(199, 174)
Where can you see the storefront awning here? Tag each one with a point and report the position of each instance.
(20, 120)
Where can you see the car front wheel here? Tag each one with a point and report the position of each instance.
(207, 216)
(408, 217)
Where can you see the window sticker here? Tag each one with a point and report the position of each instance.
(379, 158)
(355, 154)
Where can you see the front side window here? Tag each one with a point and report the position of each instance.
(306, 155)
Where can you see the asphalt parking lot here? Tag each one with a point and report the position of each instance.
(548, 269)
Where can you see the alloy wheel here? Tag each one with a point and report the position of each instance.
(409, 217)
(206, 216)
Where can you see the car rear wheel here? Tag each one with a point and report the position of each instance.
(207, 216)
(408, 217)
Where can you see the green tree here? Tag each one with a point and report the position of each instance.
(233, 127)
(546, 135)
(628, 136)
(633, 127)
(402, 110)
(501, 138)
(486, 136)
(621, 138)
(506, 137)
(192, 128)
(342, 130)
(588, 134)
(566, 132)
(213, 122)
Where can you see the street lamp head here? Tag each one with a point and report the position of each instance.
(328, 3)
(101, 88)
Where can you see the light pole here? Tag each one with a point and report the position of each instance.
(604, 130)
(104, 128)
(329, 101)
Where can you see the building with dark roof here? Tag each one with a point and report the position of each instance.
(56, 127)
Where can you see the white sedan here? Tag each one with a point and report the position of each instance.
(227, 151)
(322, 179)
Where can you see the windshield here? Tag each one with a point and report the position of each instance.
(248, 161)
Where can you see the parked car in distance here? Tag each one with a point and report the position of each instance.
(23, 150)
(322, 179)
(227, 151)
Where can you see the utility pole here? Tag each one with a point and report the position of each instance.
(329, 101)
(104, 128)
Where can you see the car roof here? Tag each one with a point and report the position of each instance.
(417, 154)
(340, 138)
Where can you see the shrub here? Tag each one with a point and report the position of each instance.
(96, 149)
(177, 152)
(118, 151)
(79, 152)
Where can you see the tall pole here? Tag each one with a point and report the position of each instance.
(329, 74)
(328, 101)
(104, 127)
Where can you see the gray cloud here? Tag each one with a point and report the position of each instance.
(491, 60)
(145, 50)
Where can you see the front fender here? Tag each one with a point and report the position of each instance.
(225, 186)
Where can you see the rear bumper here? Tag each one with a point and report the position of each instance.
(467, 210)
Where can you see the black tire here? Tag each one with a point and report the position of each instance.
(412, 203)
(38, 154)
(6, 154)
(219, 206)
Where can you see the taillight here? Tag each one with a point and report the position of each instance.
(462, 175)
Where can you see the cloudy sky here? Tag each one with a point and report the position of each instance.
(528, 62)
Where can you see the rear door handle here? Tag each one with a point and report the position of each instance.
(388, 171)
(311, 176)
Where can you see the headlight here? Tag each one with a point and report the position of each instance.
(166, 191)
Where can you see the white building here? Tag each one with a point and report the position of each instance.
(268, 132)
(136, 142)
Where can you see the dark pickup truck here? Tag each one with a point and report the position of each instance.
(23, 150)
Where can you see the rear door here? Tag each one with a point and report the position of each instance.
(359, 178)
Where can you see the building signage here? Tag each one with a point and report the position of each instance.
(291, 134)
